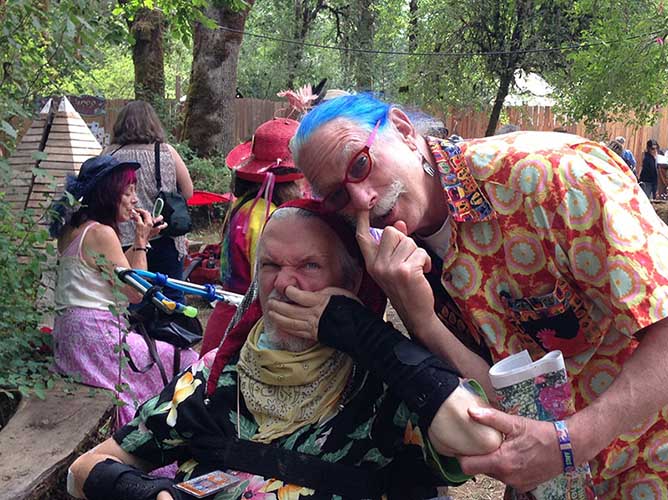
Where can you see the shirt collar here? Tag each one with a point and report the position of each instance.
(465, 198)
(439, 242)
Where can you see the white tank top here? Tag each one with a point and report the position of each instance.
(78, 284)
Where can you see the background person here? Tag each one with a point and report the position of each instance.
(136, 131)
(627, 154)
(531, 240)
(617, 147)
(324, 423)
(662, 175)
(85, 332)
(264, 176)
(648, 176)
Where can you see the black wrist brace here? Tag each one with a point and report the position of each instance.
(112, 480)
(422, 380)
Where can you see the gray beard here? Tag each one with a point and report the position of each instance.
(283, 342)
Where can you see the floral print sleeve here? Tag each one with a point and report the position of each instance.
(371, 430)
(154, 434)
(398, 427)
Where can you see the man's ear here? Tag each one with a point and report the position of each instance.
(403, 126)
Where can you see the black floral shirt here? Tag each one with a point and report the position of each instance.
(372, 430)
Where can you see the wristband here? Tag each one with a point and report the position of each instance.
(140, 249)
(565, 446)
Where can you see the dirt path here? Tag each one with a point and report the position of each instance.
(483, 488)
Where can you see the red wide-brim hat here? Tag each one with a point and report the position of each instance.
(268, 151)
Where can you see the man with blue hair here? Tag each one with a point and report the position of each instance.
(530, 240)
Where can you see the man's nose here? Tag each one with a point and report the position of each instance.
(362, 198)
(285, 277)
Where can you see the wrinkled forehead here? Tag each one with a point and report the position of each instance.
(290, 231)
(327, 151)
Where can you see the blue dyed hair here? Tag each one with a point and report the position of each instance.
(361, 109)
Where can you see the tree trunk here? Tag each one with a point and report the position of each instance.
(501, 93)
(363, 62)
(412, 25)
(209, 122)
(510, 64)
(296, 51)
(304, 16)
(148, 55)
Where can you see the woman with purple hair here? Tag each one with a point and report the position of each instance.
(86, 333)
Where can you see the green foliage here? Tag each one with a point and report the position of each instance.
(25, 254)
(41, 43)
(180, 14)
(208, 174)
(620, 74)
(111, 77)
(263, 63)
(613, 74)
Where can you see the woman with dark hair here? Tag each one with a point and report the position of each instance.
(264, 177)
(86, 334)
(648, 176)
(136, 132)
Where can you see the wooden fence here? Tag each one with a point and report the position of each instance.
(101, 114)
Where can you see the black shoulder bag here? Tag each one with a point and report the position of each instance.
(175, 209)
(175, 329)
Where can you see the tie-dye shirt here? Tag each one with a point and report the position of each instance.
(237, 257)
(554, 246)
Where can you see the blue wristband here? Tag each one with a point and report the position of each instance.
(565, 446)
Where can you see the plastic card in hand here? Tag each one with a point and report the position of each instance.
(207, 484)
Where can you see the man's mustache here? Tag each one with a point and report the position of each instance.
(276, 295)
(383, 206)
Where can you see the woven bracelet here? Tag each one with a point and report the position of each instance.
(565, 446)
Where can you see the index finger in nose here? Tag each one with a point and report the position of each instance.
(364, 239)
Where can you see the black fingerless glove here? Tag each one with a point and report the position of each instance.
(419, 378)
(112, 480)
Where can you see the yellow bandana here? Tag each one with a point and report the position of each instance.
(286, 390)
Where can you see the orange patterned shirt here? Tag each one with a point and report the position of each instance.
(554, 246)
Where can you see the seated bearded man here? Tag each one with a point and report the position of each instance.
(363, 413)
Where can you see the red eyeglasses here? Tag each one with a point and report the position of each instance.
(357, 171)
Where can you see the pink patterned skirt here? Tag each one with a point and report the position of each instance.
(85, 341)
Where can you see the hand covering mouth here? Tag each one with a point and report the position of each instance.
(276, 295)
